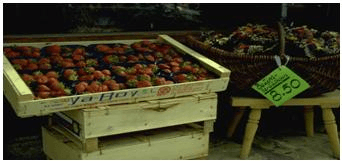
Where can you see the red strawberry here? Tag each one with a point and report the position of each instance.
(142, 49)
(178, 60)
(195, 70)
(66, 64)
(98, 75)
(81, 64)
(43, 88)
(175, 69)
(28, 79)
(94, 87)
(32, 66)
(45, 66)
(106, 72)
(138, 66)
(181, 78)
(163, 66)
(53, 49)
(122, 86)
(136, 45)
(102, 48)
(160, 81)
(52, 81)
(173, 63)
(132, 58)
(70, 74)
(81, 87)
(44, 61)
(114, 86)
(41, 79)
(103, 88)
(187, 68)
(68, 60)
(130, 77)
(35, 49)
(79, 51)
(108, 82)
(83, 78)
(6, 49)
(77, 57)
(143, 83)
(43, 94)
(56, 59)
(109, 59)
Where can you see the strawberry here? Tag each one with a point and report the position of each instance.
(34, 49)
(43, 88)
(154, 67)
(52, 81)
(22, 62)
(144, 77)
(35, 54)
(102, 48)
(68, 60)
(178, 60)
(90, 77)
(142, 49)
(175, 69)
(81, 64)
(163, 66)
(32, 66)
(122, 86)
(114, 86)
(149, 58)
(173, 63)
(23, 48)
(181, 78)
(129, 77)
(6, 49)
(143, 83)
(57, 86)
(136, 45)
(109, 59)
(138, 66)
(45, 66)
(159, 81)
(146, 42)
(169, 82)
(41, 79)
(67, 64)
(79, 51)
(28, 79)
(53, 49)
(70, 74)
(103, 88)
(195, 70)
(77, 57)
(108, 82)
(106, 72)
(93, 87)
(91, 62)
(56, 59)
(37, 74)
(81, 87)
(167, 58)
(12, 54)
(98, 75)
(122, 58)
(44, 61)
(83, 78)
(152, 46)
(132, 59)
(187, 68)
(43, 94)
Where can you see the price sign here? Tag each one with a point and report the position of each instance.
(281, 85)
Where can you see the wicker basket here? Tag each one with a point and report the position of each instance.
(323, 73)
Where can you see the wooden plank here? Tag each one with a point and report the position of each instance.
(180, 143)
(331, 98)
(213, 66)
(135, 117)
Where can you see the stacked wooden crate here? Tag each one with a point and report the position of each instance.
(160, 122)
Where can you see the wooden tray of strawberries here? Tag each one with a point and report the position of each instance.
(46, 77)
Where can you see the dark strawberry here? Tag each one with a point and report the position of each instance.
(32, 66)
(44, 61)
(35, 54)
(181, 78)
(79, 51)
(77, 57)
(22, 62)
(28, 79)
(6, 49)
(68, 60)
(81, 64)
(53, 49)
(142, 49)
(83, 78)
(136, 45)
(102, 48)
(178, 60)
(140, 56)
(149, 58)
(132, 58)
(138, 66)
(143, 83)
(109, 59)
(56, 86)
(130, 77)
(173, 63)
(34, 49)
(56, 59)
(45, 66)
(12, 54)
(159, 81)
(67, 64)
(167, 58)
(175, 69)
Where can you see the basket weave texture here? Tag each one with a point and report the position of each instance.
(322, 73)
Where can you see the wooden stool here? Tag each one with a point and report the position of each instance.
(326, 102)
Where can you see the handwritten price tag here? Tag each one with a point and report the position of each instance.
(281, 85)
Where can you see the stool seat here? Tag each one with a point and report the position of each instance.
(326, 101)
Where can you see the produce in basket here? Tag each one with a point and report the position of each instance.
(74, 69)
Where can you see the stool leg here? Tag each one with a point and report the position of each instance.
(330, 126)
(235, 121)
(309, 120)
(251, 129)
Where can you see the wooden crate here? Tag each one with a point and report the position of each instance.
(22, 99)
(87, 125)
(177, 142)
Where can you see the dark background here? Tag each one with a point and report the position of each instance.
(22, 136)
